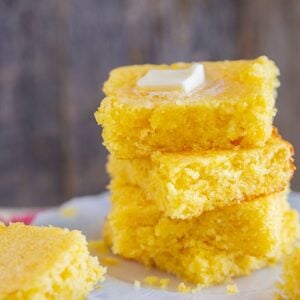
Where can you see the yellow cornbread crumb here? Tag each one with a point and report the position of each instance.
(164, 283)
(109, 261)
(98, 247)
(68, 212)
(137, 284)
(231, 289)
(151, 280)
(156, 281)
(183, 185)
(234, 107)
(182, 288)
(208, 249)
(289, 286)
(45, 263)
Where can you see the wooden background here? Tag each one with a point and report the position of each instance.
(55, 55)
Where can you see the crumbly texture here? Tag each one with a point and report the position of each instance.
(45, 263)
(289, 286)
(183, 185)
(233, 108)
(209, 249)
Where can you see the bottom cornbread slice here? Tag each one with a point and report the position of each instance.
(211, 248)
(290, 284)
(45, 263)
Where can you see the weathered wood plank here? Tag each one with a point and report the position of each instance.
(54, 56)
(272, 28)
(31, 156)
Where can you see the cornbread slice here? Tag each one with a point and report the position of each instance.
(183, 185)
(290, 284)
(45, 263)
(234, 107)
(209, 249)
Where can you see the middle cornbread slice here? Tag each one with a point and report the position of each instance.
(186, 184)
(211, 248)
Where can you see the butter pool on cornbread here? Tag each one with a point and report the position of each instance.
(45, 263)
(219, 244)
(289, 286)
(185, 184)
(233, 107)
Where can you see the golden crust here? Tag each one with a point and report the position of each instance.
(45, 263)
(234, 108)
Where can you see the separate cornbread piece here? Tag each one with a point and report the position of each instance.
(234, 107)
(290, 284)
(45, 263)
(209, 249)
(183, 185)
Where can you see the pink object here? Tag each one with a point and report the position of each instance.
(26, 218)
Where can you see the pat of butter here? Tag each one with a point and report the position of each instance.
(182, 79)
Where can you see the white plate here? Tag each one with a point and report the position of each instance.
(89, 218)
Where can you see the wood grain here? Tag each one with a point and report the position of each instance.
(273, 28)
(55, 55)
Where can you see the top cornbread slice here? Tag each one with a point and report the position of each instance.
(234, 107)
(45, 263)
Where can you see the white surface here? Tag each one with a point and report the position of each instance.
(183, 79)
(91, 212)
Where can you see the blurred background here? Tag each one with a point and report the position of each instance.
(55, 55)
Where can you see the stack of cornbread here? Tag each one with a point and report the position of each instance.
(199, 177)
